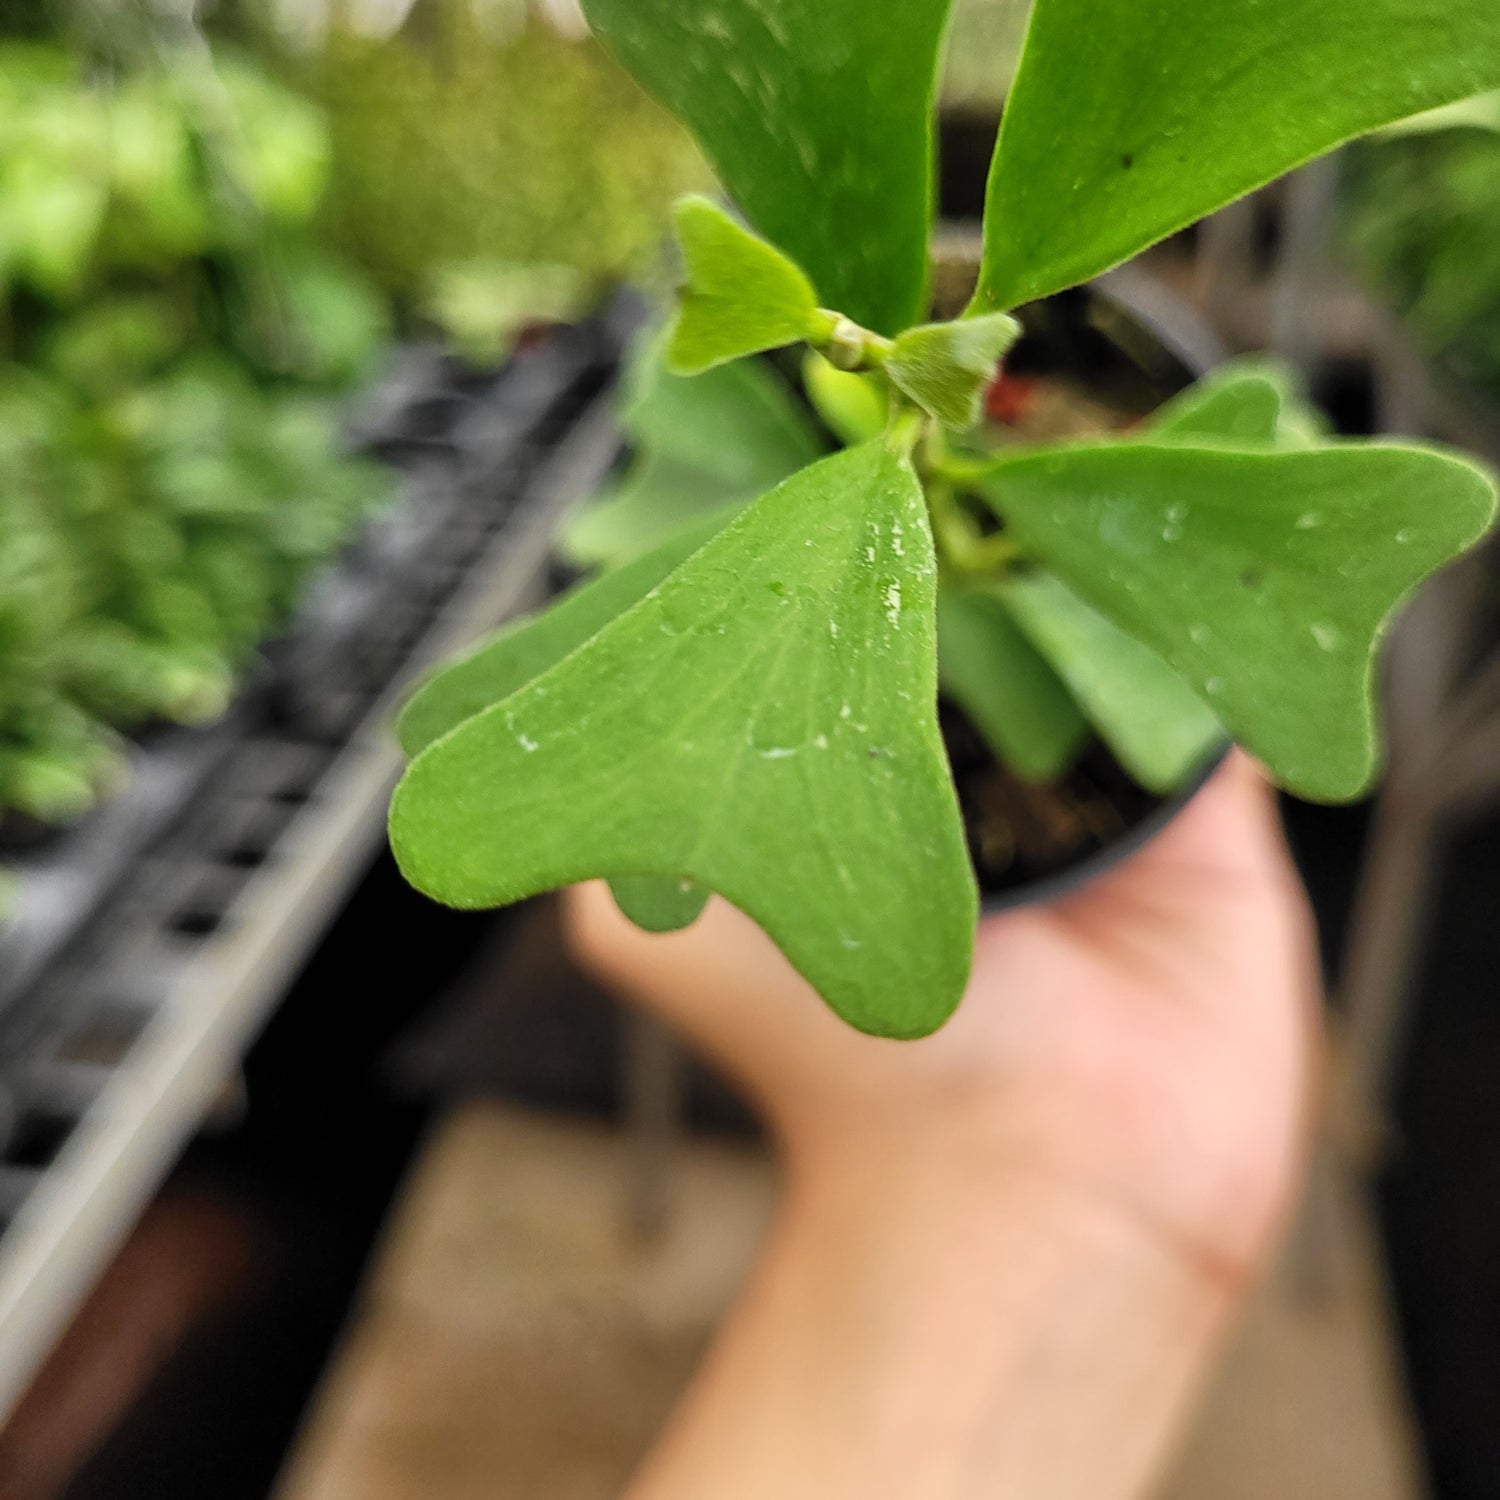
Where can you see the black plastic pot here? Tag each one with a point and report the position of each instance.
(1130, 339)
(1076, 877)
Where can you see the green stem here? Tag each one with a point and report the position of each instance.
(845, 344)
(939, 462)
(904, 430)
(960, 543)
(962, 474)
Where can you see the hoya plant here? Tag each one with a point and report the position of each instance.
(751, 707)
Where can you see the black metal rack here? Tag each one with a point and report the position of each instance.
(149, 946)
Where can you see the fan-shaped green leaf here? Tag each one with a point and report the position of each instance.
(656, 903)
(1127, 122)
(651, 502)
(762, 724)
(729, 434)
(1241, 409)
(1251, 402)
(1479, 113)
(520, 652)
(1158, 728)
(1263, 579)
(947, 367)
(739, 421)
(742, 297)
(818, 120)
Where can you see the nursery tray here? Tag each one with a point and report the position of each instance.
(150, 947)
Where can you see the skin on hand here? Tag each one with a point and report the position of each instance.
(1008, 1253)
(1150, 1039)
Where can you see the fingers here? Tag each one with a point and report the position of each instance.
(597, 935)
(1220, 873)
(676, 977)
(722, 983)
(649, 968)
(1230, 833)
(605, 943)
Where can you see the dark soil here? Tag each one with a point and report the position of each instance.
(1083, 367)
(1020, 834)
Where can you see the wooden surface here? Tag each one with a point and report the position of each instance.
(513, 1344)
(1309, 1404)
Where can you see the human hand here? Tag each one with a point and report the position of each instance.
(1007, 1252)
(1150, 1038)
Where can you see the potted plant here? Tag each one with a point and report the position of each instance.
(751, 708)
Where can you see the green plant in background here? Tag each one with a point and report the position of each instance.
(483, 307)
(170, 337)
(463, 146)
(1422, 214)
(984, 42)
(751, 708)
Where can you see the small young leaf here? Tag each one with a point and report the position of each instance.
(1015, 700)
(656, 903)
(1303, 424)
(1127, 122)
(1242, 410)
(523, 650)
(1159, 730)
(853, 406)
(818, 120)
(762, 724)
(1249, 403)
(1264, 580)
(743, 296)
(947, 367)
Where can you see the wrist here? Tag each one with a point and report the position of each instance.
(949, 1322)
(956, 1171)
(1213, 1187)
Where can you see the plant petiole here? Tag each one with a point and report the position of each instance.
(905, 429)
(846, 345)
(960, 543)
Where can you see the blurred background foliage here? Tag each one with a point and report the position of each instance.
(465, 144)
(984, 44)
(171, 331)
(1423, 222)
(211, 227)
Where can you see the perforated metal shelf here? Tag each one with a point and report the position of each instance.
(150, 951)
